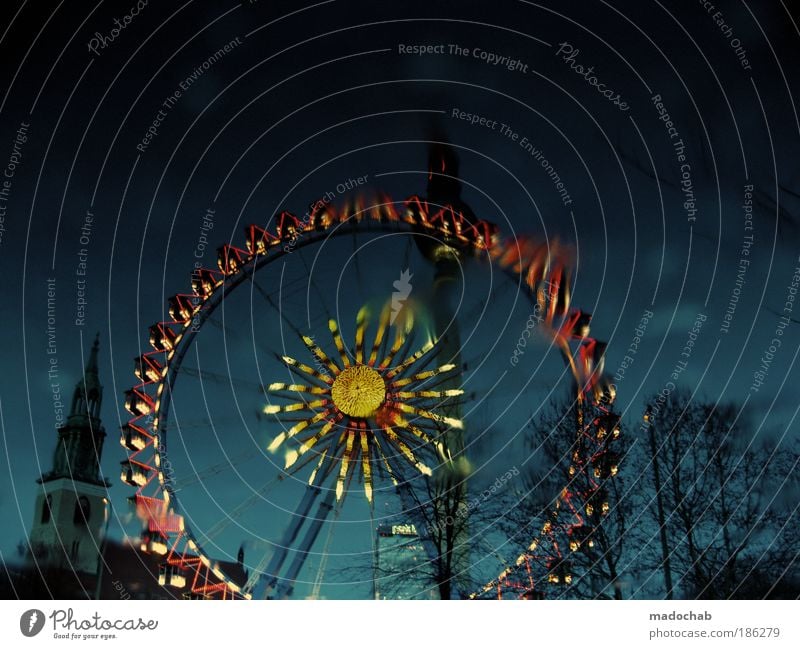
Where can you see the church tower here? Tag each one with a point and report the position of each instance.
(72, 505)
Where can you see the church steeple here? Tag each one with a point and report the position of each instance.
(72, 504)
(80, 440)
(88, 395)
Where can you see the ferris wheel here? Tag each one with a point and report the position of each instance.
(312, 378)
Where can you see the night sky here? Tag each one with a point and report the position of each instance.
(129, 155)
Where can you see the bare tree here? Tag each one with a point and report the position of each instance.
(725, 498)
(448, 522)
(571, 444)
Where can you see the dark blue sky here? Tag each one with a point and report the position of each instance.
(306, 99)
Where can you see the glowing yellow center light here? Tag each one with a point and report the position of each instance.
(358, 386)
(358, 391)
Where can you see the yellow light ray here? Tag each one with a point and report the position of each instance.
(295, 387)
(366, 467)
(410, 360)
(405, 450)
(291, 457)
(399, 340)
(308, 444)
(316, 468)
(423, 376)
(345, 465)
(276, 442)
(321, 356)
(427, 414)
(298, 427)
(337, 340)
(306, 369)
(295, 407)
(430, 394)
(383, 327)
(416, 431)
(361, 326)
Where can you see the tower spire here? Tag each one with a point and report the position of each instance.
(80, 439)
(72, 504)
(91, 364)
(88, 395)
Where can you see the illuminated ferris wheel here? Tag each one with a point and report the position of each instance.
(312, 386)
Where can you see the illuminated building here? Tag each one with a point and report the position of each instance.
(402, 569)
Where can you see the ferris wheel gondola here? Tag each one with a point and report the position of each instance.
(384, 406)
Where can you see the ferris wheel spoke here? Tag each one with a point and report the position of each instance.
(293, 326)
(296, 387)
(294, 397)
(213, 469)
(449, 402)
(424, 376)
(381, 459)
(293, 456)
(429, 353)
(207, 423)
(400, 346)
(294, 464)
(337, 340)
(304, 370)
(345, 465)
(432, 416)
(217, 377)
(405, 425)
(236, 513)
(440, 377)
(303, 406)
(236, 336)
(326, 457)
(380, 333)
(470, 316)
(313, 281)
(411, 360)
(297, 428)
(361, 325)
(319, 355)
(366, 466)
(430, 394)
(269, 300)
(394, 440)
(352, 474)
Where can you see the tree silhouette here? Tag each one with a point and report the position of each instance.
(596, 535)
(728, 530)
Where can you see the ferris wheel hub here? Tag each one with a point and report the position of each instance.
(358, 391)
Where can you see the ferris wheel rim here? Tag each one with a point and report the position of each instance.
(210, 302)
